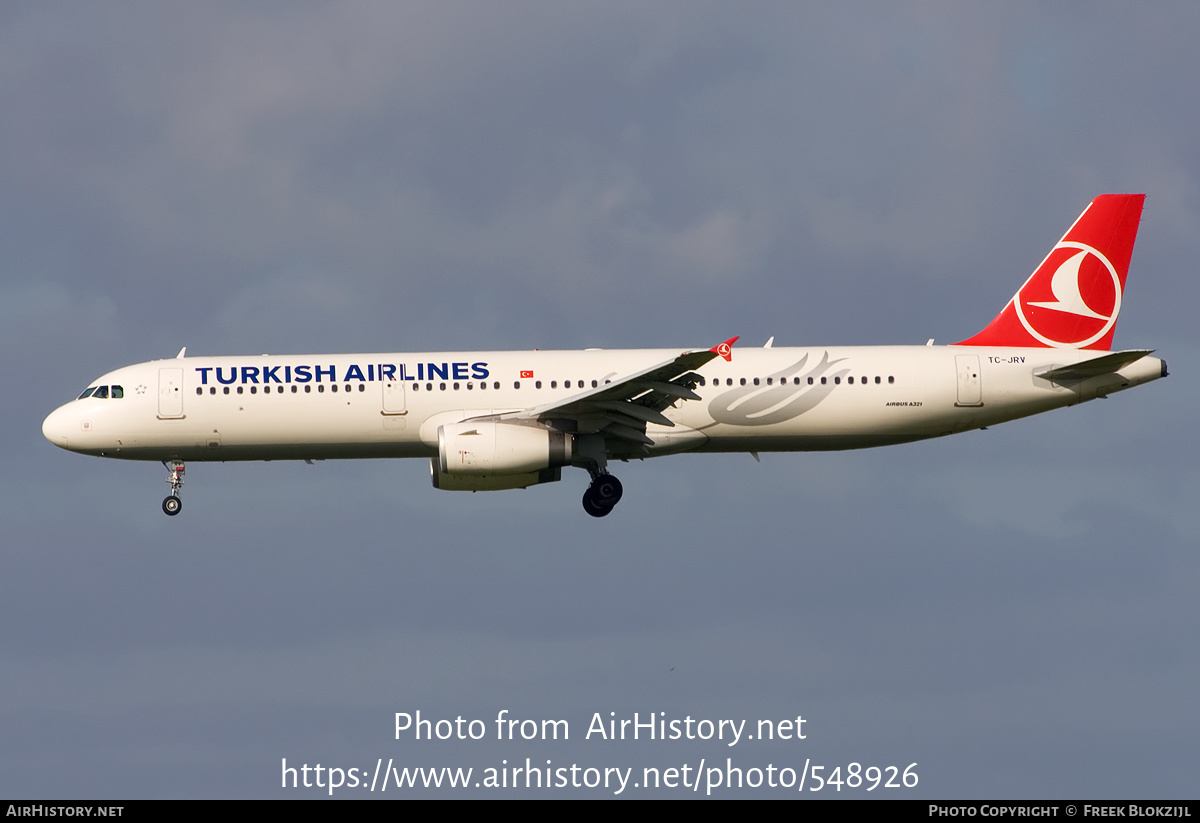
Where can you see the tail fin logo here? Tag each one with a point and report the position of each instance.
(1072, 299)
(1078, 287)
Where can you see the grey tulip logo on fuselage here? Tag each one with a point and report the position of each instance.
(781, 399)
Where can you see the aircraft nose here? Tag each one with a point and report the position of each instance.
(57, 426)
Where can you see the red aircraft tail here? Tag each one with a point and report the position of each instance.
(1072, 299)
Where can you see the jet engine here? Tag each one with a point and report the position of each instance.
(486, 455)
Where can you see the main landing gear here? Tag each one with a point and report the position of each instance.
(172, 504)
(603, 493)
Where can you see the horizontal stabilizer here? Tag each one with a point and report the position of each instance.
(1106, 364)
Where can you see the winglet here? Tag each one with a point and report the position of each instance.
(725, 349)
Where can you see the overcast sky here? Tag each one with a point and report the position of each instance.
(1014, 610)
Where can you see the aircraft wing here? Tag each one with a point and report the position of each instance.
(621, 407)
(1105, 364)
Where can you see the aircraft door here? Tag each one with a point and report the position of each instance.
(393, 397)
(170, 393)
(970, 389)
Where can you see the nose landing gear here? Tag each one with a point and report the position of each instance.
(603, 493)
(172, 504)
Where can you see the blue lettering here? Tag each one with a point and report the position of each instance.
(370, 371)
(204, 374)
(249, 374)
(303, 374)
(479, 371)
(328, 371)
(268, 374)
(387, 371)
(420, 371)
(232, 377)
(354, 373)
(287, 374)
(460, 371)
(405, 376)
(439, 371)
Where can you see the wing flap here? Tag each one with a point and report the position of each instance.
(642, 414)
(627, 433)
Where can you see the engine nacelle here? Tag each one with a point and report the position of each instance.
(478, 455)
(490, 482)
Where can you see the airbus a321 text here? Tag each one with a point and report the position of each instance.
(493, 420)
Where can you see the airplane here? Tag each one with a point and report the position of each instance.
(492, 420)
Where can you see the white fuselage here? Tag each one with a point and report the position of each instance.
(390, 405)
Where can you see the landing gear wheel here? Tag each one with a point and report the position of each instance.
(600, 497)
(592, 507)
(607, 490)
(172, 504)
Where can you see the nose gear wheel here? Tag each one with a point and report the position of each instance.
(172, 504)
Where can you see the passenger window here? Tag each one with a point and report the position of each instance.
(891, 379)
(199, 390)
(850, 380)
(756, 381)
(226, 390)
(538, 384)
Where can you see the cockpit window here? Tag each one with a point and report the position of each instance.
(102, 393)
